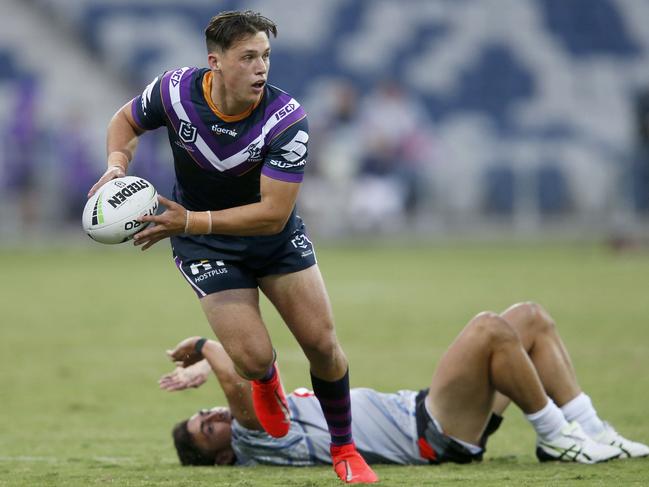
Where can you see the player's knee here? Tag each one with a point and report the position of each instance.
(491, 328)
(253, 364)
(539, 320)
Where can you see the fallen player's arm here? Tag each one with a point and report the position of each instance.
(236, 389)
(182, 378)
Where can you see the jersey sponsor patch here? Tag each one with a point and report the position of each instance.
(286, 165)
(296, 148)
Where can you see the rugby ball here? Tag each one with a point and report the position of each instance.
(110, 215)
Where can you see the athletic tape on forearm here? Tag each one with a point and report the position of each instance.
(118, 159)
(198, 222)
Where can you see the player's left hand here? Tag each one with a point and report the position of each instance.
(170, 222)
(185, 377)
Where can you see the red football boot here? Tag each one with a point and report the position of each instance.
(270, 405)
(350, 465)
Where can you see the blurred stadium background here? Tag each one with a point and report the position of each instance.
(431, 120)
(441, 118)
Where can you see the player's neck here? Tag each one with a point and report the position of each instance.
(226, 105)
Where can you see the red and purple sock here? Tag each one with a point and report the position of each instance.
(337, 407)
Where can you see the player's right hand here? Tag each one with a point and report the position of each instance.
(183, 378)
(113, 172)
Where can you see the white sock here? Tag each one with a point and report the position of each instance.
(547, 422)
(581, 409)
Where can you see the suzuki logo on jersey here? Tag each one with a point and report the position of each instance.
(254, 152)
(296, 148)
(222, 130)
(286, 165)
(285, 110)
(187, 132)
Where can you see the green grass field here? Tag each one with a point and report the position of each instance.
(84, 331)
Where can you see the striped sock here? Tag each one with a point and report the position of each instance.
(336, 405)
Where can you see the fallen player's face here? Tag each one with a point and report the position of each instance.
(245, 67)
(210, 429)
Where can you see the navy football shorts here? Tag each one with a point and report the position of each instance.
(434, 445)
(213, 263)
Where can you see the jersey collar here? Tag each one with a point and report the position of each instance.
(207, 90)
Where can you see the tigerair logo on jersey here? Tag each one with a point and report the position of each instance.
(222, 130)
(203, 269)
(126, 191)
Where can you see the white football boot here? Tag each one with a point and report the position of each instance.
(630, 449)
(573, 445)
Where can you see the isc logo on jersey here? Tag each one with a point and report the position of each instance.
(285, 110)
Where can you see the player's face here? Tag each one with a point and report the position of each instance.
(244, 68)
(212, 432)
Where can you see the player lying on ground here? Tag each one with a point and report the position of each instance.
(517, 355)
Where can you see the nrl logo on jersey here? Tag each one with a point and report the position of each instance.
(222, 130)
(187, 132)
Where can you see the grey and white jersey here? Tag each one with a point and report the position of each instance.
(383, 425)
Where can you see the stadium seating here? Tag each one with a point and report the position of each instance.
(538, 79)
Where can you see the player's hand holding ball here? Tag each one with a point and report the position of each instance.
(172, 222)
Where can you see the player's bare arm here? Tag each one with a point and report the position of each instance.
(236, 389)
(267, 217)
(121, 141)
(182, 378)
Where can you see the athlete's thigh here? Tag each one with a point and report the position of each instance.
(235, 317)
(461, 395)
(302, 300)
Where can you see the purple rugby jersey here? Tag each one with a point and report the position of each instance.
(218, 163)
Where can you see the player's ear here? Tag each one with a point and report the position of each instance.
(213, 61)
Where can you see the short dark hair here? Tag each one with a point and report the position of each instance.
(228, 27)
(188, 452)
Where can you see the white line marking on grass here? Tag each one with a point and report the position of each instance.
(26, 458)
(112, 459)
